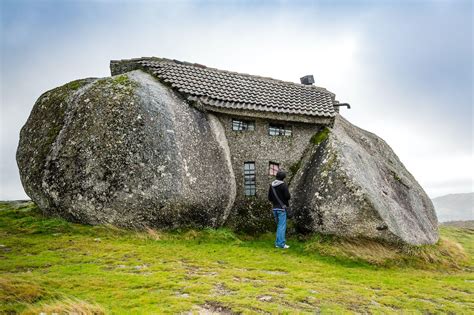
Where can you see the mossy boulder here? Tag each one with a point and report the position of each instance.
(39, 133)
(251, 216)
(352, 184)
(126, 150)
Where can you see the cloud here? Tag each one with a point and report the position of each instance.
(404, 67)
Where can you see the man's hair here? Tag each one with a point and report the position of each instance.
(281, 174)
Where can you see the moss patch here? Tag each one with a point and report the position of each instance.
(295, 167)
(121, 79)
(252, 216)
(75, 85)
(320, 136)
(43, 126)
(395, 176)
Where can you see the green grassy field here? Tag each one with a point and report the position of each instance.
(52, 266)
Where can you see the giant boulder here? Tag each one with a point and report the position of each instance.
(126, 150)
(352, 184)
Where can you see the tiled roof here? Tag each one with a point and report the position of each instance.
(232, 90)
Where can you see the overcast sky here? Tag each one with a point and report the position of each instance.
(405, 66)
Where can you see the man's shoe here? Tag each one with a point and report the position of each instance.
(286, 246)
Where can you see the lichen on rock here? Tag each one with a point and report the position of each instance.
(40, 132)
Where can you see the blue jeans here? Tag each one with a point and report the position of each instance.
(280, 220)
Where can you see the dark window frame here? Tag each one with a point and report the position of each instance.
(280, 130)
(242, 125)
(250, 179)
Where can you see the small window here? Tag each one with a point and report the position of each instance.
(273, 168)
(279, 130)
(249, 179)
(243, 125)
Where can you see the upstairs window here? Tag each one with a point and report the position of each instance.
(279, 130)
(273, 168)
(243, 125)
(249, 179)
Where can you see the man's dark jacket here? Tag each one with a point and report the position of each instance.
(281, 188)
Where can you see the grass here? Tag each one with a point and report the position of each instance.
(52, 266)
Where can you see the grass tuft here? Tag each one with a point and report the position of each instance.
(20, 291)
(153, 234)
(121, 79)
(65, 306)
(446, 254)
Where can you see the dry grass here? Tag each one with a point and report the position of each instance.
(154, 234)
(12, 291)
(66, 306)
(445, 254)
(150, 234)
(367, 250)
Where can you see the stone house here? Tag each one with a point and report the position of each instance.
(268, 123)
(168, 144)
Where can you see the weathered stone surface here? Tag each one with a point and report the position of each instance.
(253, 214)
(126, 150)
(352, 184)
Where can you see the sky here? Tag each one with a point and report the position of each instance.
(406, 67)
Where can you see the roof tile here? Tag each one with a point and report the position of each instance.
(227, 89)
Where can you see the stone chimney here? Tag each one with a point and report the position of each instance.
(307, 79)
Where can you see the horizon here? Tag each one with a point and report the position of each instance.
(405, 67)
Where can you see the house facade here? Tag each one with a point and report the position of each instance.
(268, 123)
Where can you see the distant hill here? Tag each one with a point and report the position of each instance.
(455, 207)
(460, 224)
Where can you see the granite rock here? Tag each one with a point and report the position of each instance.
(128, 151)
(352, 184)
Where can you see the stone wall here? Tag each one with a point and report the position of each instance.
(259, 147)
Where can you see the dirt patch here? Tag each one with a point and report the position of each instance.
(275, 272)
(221, 289)
(213, 308)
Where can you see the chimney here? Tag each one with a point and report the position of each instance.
(307, 79)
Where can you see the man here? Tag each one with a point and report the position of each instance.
(280, 202)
